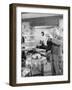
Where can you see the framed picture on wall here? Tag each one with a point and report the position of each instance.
(39, 44)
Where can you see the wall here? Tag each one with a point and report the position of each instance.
(4, 45)
(52, 20)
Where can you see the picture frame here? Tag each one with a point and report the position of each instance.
(39, 44)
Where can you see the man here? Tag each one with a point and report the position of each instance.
(43, 38)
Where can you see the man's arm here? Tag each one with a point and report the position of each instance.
(57, 42)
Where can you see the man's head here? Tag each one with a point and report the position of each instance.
(49, 38)
(42, 33)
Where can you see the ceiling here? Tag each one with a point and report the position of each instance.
(36, 15)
